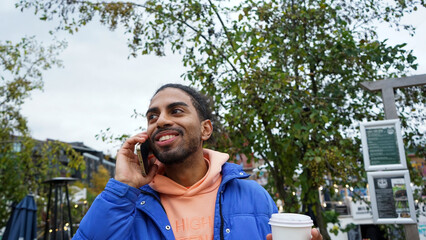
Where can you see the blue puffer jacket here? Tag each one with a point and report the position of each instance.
(242, 211)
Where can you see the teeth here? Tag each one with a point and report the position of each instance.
(166, 137)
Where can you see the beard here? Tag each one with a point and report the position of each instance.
(176, 155)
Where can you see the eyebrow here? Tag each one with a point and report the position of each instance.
(170, 106)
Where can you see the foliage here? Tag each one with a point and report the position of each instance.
(332, 217)
(24, 162)
(97, 184)
(22, 65)
(99, 180)
(394, 232)
(284, 75)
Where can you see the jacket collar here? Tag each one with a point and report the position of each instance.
(229, 172)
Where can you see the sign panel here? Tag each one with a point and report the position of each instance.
(391, 197)
(361, 210)
(382, 145)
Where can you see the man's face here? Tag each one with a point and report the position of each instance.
(174, 128)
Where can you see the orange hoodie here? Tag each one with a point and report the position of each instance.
(191, 210)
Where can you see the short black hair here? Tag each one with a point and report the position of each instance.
(200, 101)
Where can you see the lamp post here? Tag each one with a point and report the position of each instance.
(55, 225)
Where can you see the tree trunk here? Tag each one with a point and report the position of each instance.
(322, 225)
(290, 201)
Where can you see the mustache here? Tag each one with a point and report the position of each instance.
(160, 130)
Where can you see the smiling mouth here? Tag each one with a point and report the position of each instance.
(166, 137)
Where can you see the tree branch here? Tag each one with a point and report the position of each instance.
(228, 36)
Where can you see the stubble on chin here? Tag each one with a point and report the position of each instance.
(175, 156)
(168, 157)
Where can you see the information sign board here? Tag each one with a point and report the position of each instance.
(391, 197)
(382, 145)
(361, 210)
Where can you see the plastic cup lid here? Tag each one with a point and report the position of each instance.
(290, 220)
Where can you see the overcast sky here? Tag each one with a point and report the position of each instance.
(99, 87)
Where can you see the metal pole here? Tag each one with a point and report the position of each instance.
(47, 224)
(61, 214)
(389, 103)
(69, 209)
(55, 210)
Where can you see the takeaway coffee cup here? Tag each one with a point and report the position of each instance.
(290, 226)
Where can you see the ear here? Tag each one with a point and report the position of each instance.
(206, 129)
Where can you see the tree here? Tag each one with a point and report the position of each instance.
(24, 162)
(284, 76)
(99, 180)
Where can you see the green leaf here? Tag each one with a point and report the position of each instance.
(240, 17)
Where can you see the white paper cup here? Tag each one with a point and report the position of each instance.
(290, 226)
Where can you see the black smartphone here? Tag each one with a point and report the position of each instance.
(142, 151)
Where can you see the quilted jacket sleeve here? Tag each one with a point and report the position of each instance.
(111, 215)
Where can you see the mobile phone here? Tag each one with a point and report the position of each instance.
(142, 150)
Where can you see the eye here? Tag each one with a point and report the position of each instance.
(151, 116)
(177, 111)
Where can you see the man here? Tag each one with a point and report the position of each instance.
(190, 193)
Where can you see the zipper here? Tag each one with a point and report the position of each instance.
(222, 224)
(222, 189)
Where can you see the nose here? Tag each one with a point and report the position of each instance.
(163, 121)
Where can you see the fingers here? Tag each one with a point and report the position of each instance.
(128, 147)
(127, 168)
(269, 237)
(316, 235)
(131, 142)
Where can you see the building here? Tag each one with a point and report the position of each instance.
(93, 159)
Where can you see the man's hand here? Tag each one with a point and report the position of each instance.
(316, 235)
(127, 168)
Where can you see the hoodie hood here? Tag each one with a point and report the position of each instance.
(208, 183)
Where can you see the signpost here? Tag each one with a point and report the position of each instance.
(380, 153)
(383, 148)
(387, 88)
(391, 197)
